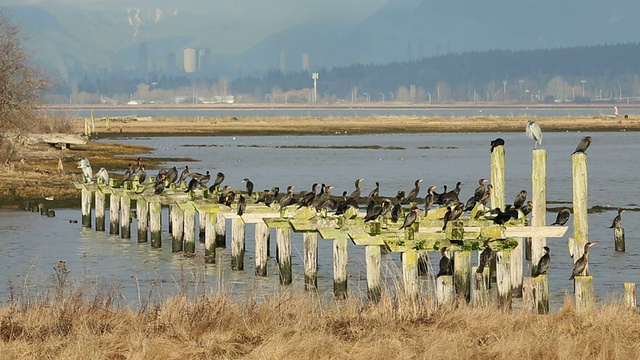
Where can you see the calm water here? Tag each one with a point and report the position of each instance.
(32, 244)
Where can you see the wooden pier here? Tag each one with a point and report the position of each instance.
(462, 237)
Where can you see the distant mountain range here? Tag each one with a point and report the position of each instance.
(254, 36)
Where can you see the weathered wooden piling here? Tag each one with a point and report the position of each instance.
(283, 243)
(114, 213)
(445, 291)
(535, 294)
(481, 296)
(202, 226)
(86, 207)
(503, 278)
(462, 274)
(372, 264)
(340, 271)
(221, 230)
(261, 241)
(155, 222)
(125, 215)
(142, 211)
(516, 264)
(410, 274)
(177, 219)
(618, 239)
(100, 198)
(497, 177)
(584, 293)
(630, 299)
(189, 229)
(539, 199)
(580, 203)
(310, 253)
(237, 243)
(210, 239)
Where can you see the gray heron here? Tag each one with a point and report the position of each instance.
(534, 132)
(87, 172)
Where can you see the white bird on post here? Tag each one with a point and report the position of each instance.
(534, 132)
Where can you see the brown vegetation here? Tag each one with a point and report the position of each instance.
(303, 326)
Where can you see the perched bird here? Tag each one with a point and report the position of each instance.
(453, 213)
(446, 265)
(204, 179)
(487, 195)
(485, 256)
(325, 201)
(410, 218)
(103, 176)
(273, 196)
(497, 142)
(543, 263)
(223, 195)
(580, 267)
(526, 209)
(242, 205)
(309, 198)
(501, 217)
(534, 132)
(451, 196)
(138, 166)
(219, 179)
(480, 190)
(128, 174)
(159, 185)
(357, 192)
(288, 198)
(231, 195)
(378, 210)
(87, 172)
(413, 194)
(193, 184)
(343, 204)
(562, 217)
(616, 220)
(429, 199)
(375, 192)
(248, 185)
(142, 175)
(520, 199)
(396, 211)
(184, 175)
(172, 175)
(583, 145)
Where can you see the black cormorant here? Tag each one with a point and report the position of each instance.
(142, 176)
(562, 217)
(204, 179)
(583, 145)
(543, 263)
(413, 194)
(526, 209)
(356, 193)
(242, 205)
(375, 192)
(172, 175)
(193, 184)
(580, 267)
(410, 218)
(219, 179)
(429, 199)
(249, 186)
(501, 217)
(617, 219)
(446, 265)
(128, 174)
(184, 174)
(485, 256)
(309, 198)
(520, 199)
(497, 142)
(378, 210)
(288, 198)
(223, 194)
(480, 190)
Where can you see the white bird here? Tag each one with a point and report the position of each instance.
(534, 132)
(87, 172)
(104, 175)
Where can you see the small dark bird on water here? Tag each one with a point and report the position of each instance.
(410, 218)
(580, 267)
(562, 217)
(242, 205)
(616, 220)
(497, 142)
(543, 263)
(583, 145)
(446, 265)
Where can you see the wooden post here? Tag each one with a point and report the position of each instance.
(125, 216)
(481, 294)
(539, 199)
(497, 177)
(410, 274)
(535, 294)
(528, 295)
(516, 268)
(155, 223)
(584, 293)
(189, 230)
(445, 292)
(618, 238)
(202, 226)
(142, 210)
(221, 230)
(340, 259)
(261, 255)
(503, 278)
(630, 300)
(283, 242)
(114, 213)
(237, 243)
(372, 263)
(210, 239)
(580, 204)
(86, 207)
(177, 219)
(461, 273)
(310, 249)
(100, 208)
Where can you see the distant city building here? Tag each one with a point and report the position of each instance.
(190, 60)
(204, 59)
(283, 61)
(305, 62)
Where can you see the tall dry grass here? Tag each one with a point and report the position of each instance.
(69, 323)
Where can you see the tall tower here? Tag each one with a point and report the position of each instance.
(204, 59)
(190, 60)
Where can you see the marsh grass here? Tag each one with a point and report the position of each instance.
(73, 319)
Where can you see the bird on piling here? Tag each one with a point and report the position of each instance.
(184, 175)
(373, 195)
(204, 179)
(231, 195)
(378, 210)
(447, 217)
(193, 184)
(413, 194)
(142, 176)
(309, 198)
(497, 142)
(396, 211)
(580, 267)
(526, 209)
(172, 175)
(534, 132)
(410, 218)
(357, 192)
(520, 199)
(429, 199)
(562, 217)
(485, 256)
(219, 179)
(263, 196)
(325, 201)
(370, 206)
(242, 205)
(446, 265)
(480, 190)
(440, 197)
(159, 185)
(543, 263)
(616, 220)
(583, 145)
(249, 186)
(501, 217)
(223, 194)
(288, 198)
(138, 165)
(399, 197)
(451, 196)
(272, 196)
(103, 175)
(487, 195)
(128, 174)
(342, 204)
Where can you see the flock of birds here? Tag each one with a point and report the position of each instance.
(377, 206)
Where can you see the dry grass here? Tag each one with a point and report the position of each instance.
(71, 325)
